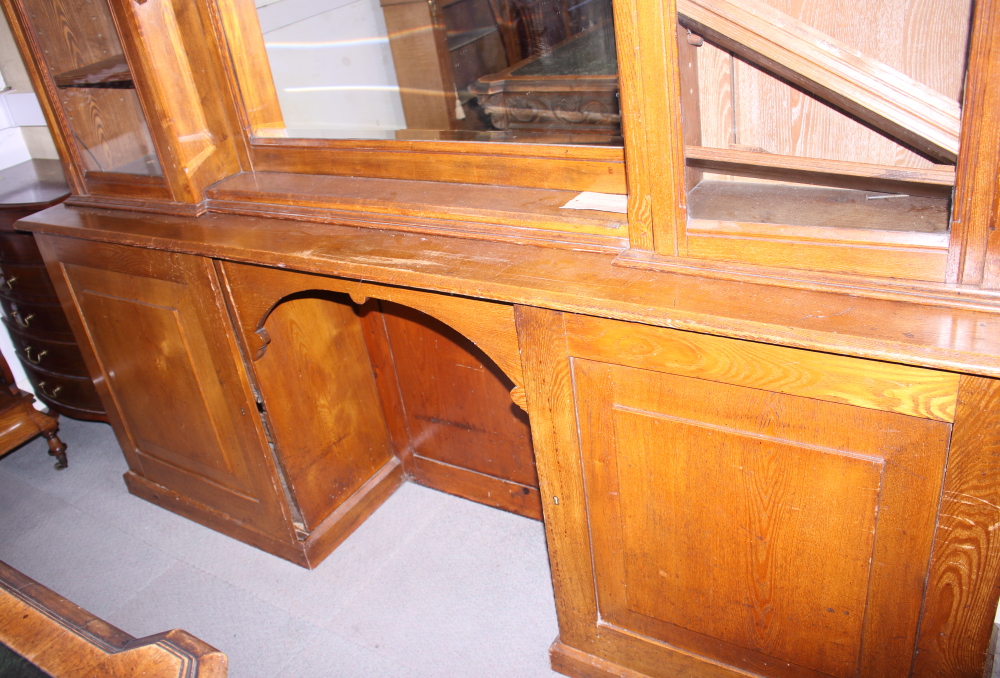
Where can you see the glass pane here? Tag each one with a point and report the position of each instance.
(505, 70)
(84, 57)
(865, 138)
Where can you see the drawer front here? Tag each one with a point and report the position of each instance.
(22, 282)
(19, 248)
(62, 357)
(45, 319)
(78, 392)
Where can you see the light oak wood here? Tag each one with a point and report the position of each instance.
(490, 326)
(957, 615)
(861, 383)
(872, 91)
(684, 604)
(64, 640)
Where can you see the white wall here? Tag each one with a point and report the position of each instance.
(332, 67)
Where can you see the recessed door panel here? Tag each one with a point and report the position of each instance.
(172, 378)
(152, 370)
(744, 524)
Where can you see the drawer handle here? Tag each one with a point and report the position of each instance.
(38, 357)
(53, 393)
(9, 282)
(23, 322)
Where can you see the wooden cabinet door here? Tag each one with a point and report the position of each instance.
(716, 506)
(162, 350)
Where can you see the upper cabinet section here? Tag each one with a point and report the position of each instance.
(534, 71)
(851, 142)
(132, 93)
(83, 56)
(815, 120)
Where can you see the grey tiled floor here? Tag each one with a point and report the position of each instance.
(430, 585)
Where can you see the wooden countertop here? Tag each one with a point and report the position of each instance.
(35, 182)
(958, 339)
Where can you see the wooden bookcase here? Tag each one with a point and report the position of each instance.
(762, 404)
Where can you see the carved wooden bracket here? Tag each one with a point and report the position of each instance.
(519, 397)
(265, 339)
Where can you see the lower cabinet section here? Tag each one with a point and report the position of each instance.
(713, 507)
(168, 368)
(716, 506)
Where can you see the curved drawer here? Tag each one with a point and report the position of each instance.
(35, 318)
(20, 281)
(19, 248)
(61, 389)
(62, 357)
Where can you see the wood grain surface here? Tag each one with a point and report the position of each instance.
(65, 640)
(861, 383)
(742, 106)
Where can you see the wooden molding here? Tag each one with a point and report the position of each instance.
(831, 70)
(63, 639)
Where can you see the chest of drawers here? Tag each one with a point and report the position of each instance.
(34, 319)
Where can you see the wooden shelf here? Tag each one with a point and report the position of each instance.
(765, 203)
(110, 73)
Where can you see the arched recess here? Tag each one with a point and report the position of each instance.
(489, 325)
(450, 427)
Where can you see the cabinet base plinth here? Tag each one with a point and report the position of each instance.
(308, 553)
(578, 664)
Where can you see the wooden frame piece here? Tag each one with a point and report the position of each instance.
(63, 639)
(881, 96)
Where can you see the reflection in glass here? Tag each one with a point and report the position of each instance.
(506, 70)
(84, 57)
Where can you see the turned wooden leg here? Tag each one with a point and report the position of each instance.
(57, 448)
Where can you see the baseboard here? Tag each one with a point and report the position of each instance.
(339, 525)
(214, 520)
(577, 664)
(309, 553)
(478, 487)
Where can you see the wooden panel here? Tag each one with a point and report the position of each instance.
(250, 72)
(320, 398)
(175, 57)
(863, 383)
(564, 168)
(355, 197)
(548, 383)
(878, 261)
(962, 584)
(785, 204)
(933, 325)
(478, 487)
(74, 33)
(704, 520)
(457, 401)
(160, 345)
(488, 325)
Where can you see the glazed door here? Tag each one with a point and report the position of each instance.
(715, 504)
(161, 345)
